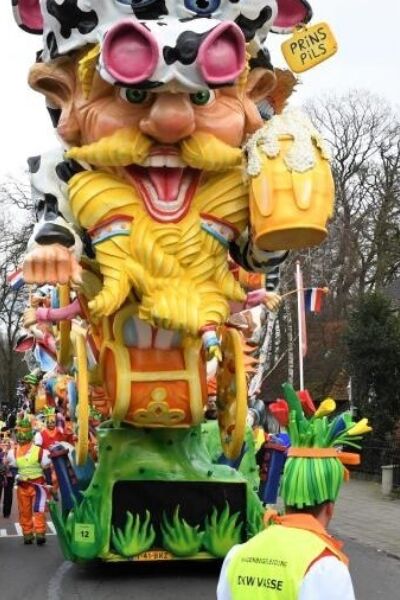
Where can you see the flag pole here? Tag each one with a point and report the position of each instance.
(300, 321)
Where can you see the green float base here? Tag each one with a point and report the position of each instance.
(158, 494)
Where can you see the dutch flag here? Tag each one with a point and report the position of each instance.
(16, 280)
(313, 298)
(40, 501)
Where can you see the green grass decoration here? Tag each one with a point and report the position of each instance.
(136, 537)
(307, 481)
(221, 532)
(179, 537)
(83, 513)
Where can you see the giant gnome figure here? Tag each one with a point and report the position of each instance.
(166, 166)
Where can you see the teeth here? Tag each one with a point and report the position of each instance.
(174, 161)
(156, 161)
(164, 160)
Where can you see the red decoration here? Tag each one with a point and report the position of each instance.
(280, 411)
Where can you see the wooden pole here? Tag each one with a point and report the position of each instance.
(300, 322)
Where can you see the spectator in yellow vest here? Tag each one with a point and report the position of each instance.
(295, 558)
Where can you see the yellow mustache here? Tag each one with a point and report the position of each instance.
(129, 146)
(122, 148)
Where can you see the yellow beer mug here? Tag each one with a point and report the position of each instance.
(290, 206)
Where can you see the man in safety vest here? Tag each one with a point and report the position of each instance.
(31, 465)
(295, 558)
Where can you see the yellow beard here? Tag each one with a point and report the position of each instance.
(178, 271)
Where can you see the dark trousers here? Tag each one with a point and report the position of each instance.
(6, 487)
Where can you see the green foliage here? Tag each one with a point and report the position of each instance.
(179, 537)
(373, 342)
(136, 537)
(221, 532)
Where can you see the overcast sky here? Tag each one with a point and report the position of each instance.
(367, 34)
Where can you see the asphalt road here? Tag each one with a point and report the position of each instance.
(42, 574)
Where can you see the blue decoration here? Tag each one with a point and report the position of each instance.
(277, 446)
(208, 7)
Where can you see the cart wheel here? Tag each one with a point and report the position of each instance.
(82, 412)
(231, 394)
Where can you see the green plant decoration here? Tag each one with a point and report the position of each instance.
(84, 514)
(221, 532)
(136, 537)
(179, 537)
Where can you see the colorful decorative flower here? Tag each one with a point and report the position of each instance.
(280, 411)
(326, 407)
(360, 428)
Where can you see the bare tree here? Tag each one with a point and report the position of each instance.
(15, 226)
(362, 251)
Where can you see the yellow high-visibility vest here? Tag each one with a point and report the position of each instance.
(273, 564)
(28, 465)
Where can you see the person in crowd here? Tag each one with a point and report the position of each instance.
(30, 464)
(50, 434)
(295, 558)
(6, 475)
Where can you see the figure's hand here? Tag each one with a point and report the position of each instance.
(272, 301)
(214, 352)
(29, 317)
(51, 264)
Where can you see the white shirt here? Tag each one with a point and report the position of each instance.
(327, 579)
(38, 440)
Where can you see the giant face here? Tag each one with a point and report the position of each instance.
(163, 97)
(166, 121)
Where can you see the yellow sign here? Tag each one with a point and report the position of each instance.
(84, 532)
(309, 46)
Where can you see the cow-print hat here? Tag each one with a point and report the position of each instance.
(196, 43)
(70, 24)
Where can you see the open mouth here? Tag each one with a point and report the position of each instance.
(165, 183)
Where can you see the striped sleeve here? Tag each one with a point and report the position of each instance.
(252, 259)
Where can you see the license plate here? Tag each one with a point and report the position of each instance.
(152, 555)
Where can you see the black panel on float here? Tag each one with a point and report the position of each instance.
(196, 500)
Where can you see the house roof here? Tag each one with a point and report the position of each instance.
(339, 391)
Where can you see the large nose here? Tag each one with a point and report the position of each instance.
(170, 120)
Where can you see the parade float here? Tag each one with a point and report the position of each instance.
(176, 157)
